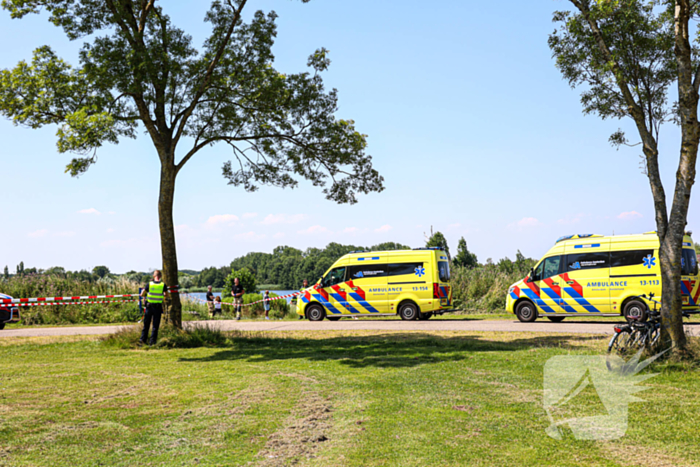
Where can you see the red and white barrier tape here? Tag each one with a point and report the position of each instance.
(280, 297)
(63, 299)
(73, 303)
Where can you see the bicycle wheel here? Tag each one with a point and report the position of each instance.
(653, 335)
(622, 341)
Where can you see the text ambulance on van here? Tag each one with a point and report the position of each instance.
(415, 284)
(593, 274)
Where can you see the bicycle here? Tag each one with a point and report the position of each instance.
(636, 335)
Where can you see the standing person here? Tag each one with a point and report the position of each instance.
(210, 301)
(304, 286)
(217, 306)
(237, 293)
(266, 304)
(154, 293)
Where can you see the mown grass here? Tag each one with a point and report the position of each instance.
(318, 399)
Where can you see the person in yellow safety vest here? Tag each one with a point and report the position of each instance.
(154, 292)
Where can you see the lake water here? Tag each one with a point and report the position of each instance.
(203, 295)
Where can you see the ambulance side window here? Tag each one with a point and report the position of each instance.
(334, 276)
(537, 274)
(366, 271)
(551, 266)
(629, 258)
(591, 260)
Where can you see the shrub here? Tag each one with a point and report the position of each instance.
(55, 285)
(196, 335)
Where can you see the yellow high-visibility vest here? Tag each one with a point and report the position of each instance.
(155, 292)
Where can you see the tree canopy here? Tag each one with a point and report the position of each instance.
(625, 55)
(138, 71)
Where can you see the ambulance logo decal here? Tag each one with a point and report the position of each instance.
(420, 271)
(649, 261)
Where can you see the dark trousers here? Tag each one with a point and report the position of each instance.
(154, 311)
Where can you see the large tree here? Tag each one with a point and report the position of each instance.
(139, 71)
(626, 54)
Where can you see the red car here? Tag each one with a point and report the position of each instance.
(9, 313)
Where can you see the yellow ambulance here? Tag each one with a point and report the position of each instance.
(414, 284)
(601, 276)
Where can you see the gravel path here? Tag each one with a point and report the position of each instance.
(504, 325)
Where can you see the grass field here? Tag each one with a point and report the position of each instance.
(320, 399)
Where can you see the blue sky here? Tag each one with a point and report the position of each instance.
(468, 120)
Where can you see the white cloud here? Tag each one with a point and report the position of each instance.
(283, 219)
(350, 230)
(570, 220)
(249, 215)
(629, 215)
(111, 213)
(68, 233)
(278, 235)
(384, 228)
(314, 229)
(89, 211)
(221, 219)
(38, 233)
(525, 223)
(249, 236)
(111, 230)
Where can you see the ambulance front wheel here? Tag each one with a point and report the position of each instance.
(408, 311)
(315, 313)
(2, 326)
(526, 311)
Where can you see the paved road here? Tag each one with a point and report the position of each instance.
(568, 327)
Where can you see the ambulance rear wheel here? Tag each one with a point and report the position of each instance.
(526, 311)
(315, 313)
(556, 319)
(2, 326)
(635, 310)
(408, 311)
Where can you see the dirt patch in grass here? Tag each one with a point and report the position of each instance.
(301, 435)
(645, 456)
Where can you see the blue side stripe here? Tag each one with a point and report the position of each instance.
(362, 302)
(580, 300)
(344, 302)
(327, 304)
(559, 301)
(513, 296)
(538, 301)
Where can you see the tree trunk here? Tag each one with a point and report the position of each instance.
(670, 250)
(167, 240)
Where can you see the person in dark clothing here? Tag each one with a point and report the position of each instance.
(237, 293)
(210, 302)
(154, 293)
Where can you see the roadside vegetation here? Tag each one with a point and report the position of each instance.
(318, 399)
(477, 288)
